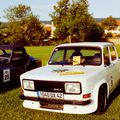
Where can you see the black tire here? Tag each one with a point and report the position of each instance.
(102, 100)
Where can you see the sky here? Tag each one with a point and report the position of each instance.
(42, 8)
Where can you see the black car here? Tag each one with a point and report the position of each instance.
(14, 61)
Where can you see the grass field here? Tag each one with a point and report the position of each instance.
(11, 105)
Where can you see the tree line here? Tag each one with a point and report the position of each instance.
(72, 20)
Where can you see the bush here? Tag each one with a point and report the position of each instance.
(109, 34)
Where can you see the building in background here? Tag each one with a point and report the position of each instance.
(50, 29)
(115, 31)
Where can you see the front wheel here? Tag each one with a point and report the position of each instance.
(102, 100)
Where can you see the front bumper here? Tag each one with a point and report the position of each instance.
(55, 100)
(62, 106)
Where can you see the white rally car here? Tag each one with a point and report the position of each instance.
(78, 79)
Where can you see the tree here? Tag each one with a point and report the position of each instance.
(16, 13)
(109, 23)
(24, 28)
(71, 19)
(28, 31)
(95, 33)
(58, 18)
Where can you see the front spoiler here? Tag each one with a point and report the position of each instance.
(56, 101)
(60, 106)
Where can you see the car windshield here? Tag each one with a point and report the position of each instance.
(76, 56)
(5, 52)
(5, 55)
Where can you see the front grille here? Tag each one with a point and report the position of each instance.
(49, 86)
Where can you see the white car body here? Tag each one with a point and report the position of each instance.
(84, 80)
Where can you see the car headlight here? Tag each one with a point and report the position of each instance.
(28, 85)
(72, 88)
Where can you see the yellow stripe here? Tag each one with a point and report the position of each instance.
(71, 73)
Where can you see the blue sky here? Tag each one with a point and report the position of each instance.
(99, 9)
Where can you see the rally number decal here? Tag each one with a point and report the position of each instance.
(6, 75)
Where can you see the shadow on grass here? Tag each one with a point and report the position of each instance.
(9, 86)
(113, 96)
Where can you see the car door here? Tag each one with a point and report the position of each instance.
(115, 65)
(109, 71)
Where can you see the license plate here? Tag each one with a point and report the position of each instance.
(52, 95)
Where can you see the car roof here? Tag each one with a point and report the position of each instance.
(91, 44)
(11, 47)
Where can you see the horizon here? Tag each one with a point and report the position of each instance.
(45, 21)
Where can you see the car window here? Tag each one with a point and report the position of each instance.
(17, 54)
(58, 57)
(1, 52)
(76, 56)
(112, 53)
(5, 53)
(4, 56)
(69, 53)
(106, 56)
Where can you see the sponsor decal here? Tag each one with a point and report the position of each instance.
(72, 73)
(76, 60)
(68, 72)
(6, 75)
(60, 70)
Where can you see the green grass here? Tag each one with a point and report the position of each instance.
(11, 105)
(118, 49)
(42, 52)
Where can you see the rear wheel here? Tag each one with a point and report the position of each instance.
(102, 100)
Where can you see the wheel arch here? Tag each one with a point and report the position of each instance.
(96, 89)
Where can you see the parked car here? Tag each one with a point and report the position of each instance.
(78, 79)
(14, 61)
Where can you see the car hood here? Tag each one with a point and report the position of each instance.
(62, 73)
